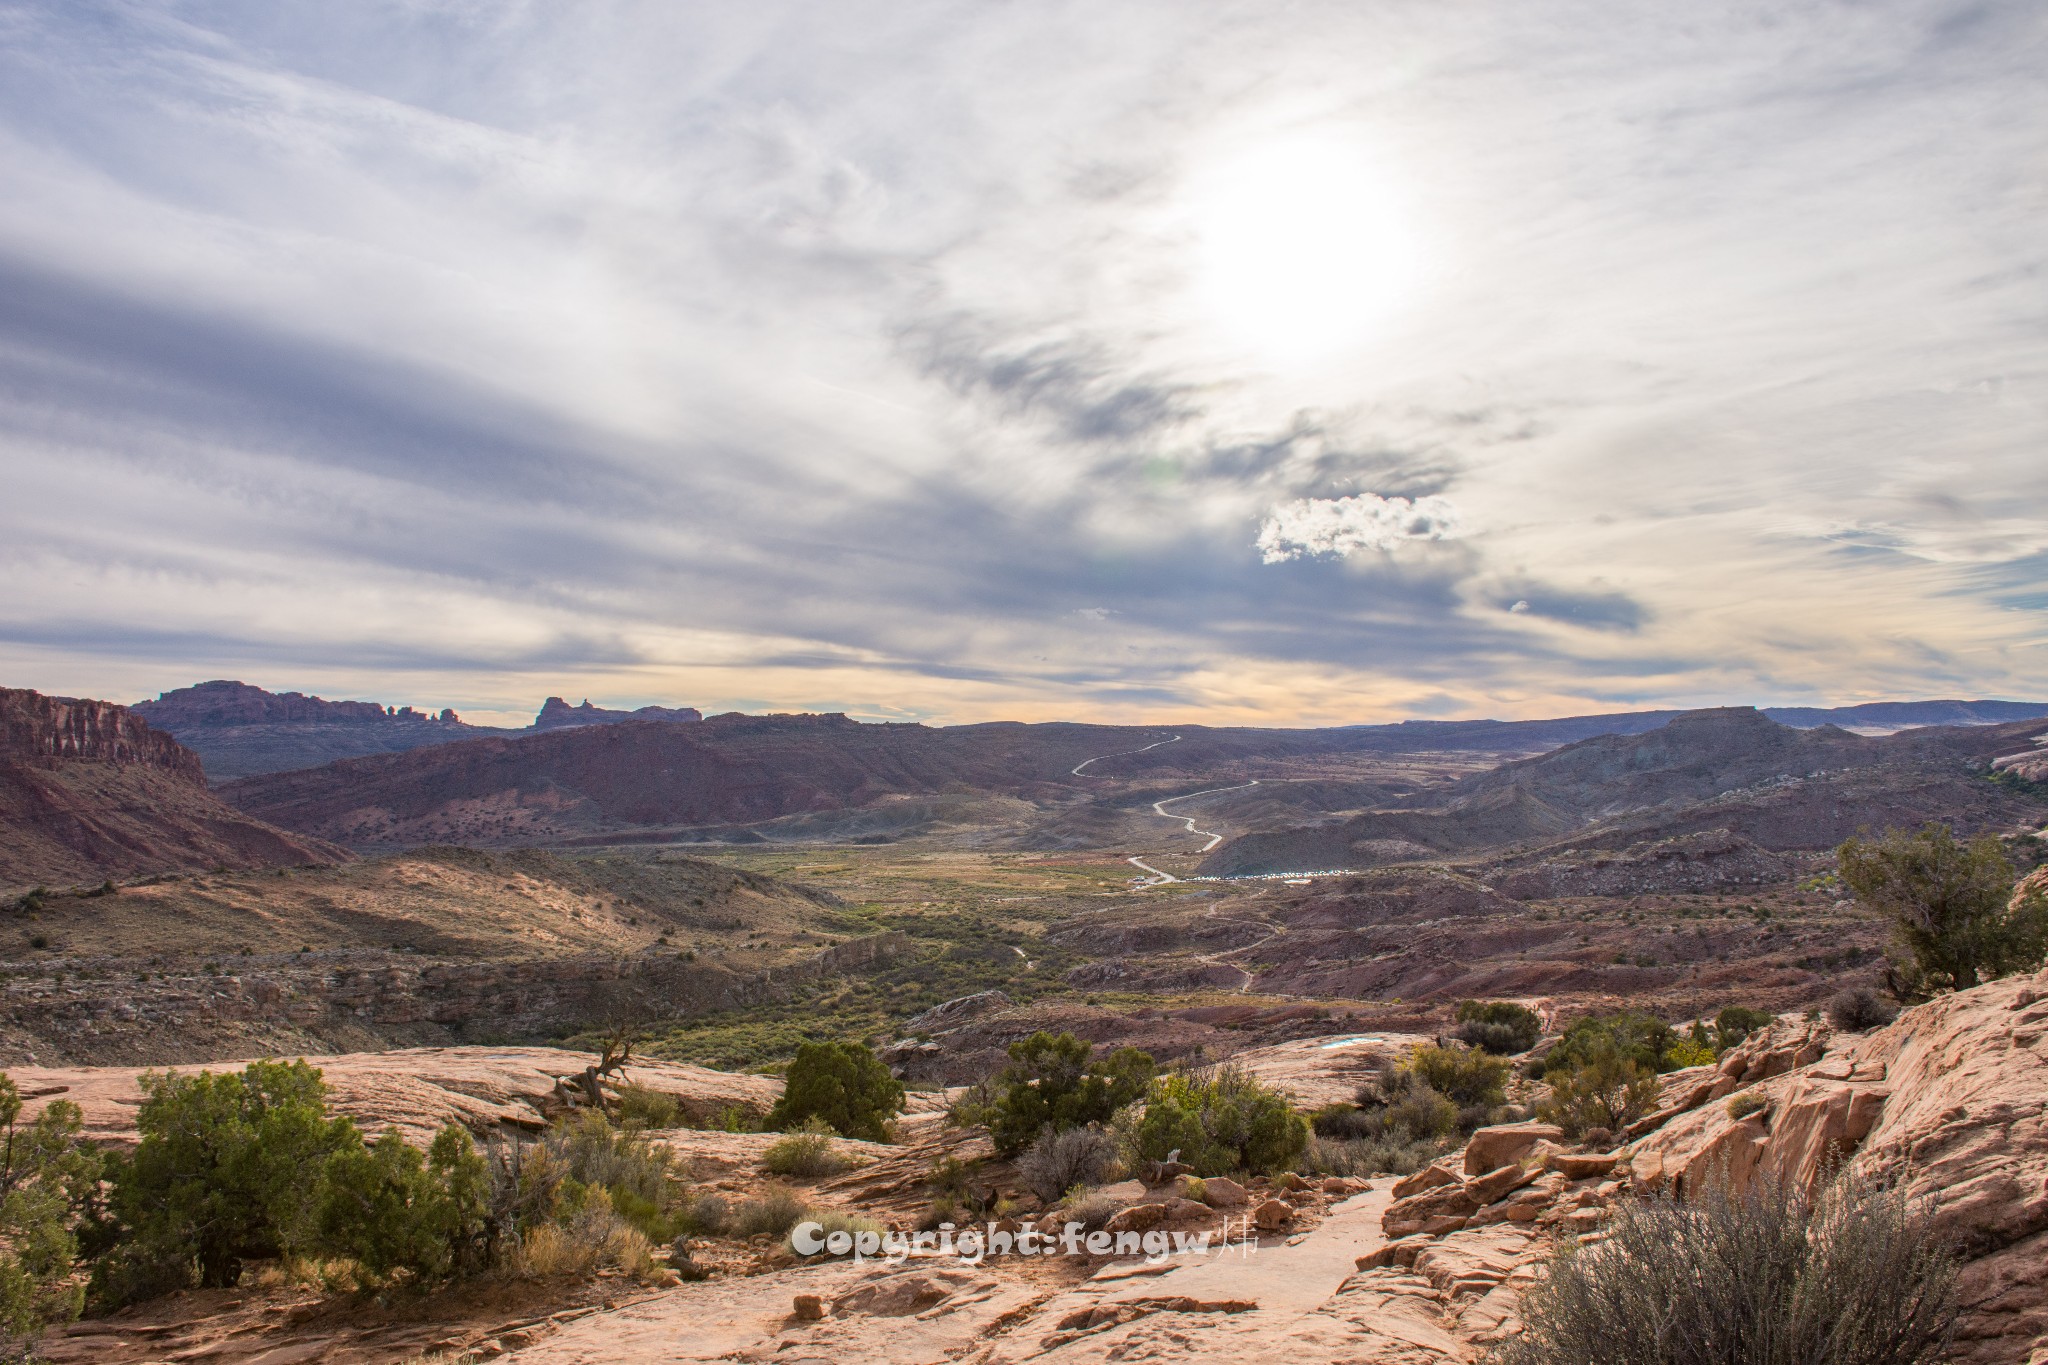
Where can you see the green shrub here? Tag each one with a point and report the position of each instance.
(1220, 1124)
(1608, 1090)
(622, 1160)
(1760, 1278)
(390, 1209)
(774, 1212)
(225, 1171)
(47, 1175)
(1464, 1076)
(1950, 906)
(1632, 1035)
(843, 1084)
(1053, 1082)
(1742, 1106)
(805, 1155)
(1734, 1025)
(1498, 1026)
(1685, 1052)
(640, 1107)
(707, 1215)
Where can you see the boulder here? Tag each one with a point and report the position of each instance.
(1437, 1173)
(1273, 1215)
(1485, 1189)
(1582, 1165)
(1137, 1218)
(1491, 1148)
(808, 1308)
(1221, 1192)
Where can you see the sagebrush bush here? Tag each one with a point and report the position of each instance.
(1088, 1209)
(708, 1215)
(1607, 1090)
(1749, 1102)
(774, 1212)
(594, 1238)
(1058, 1161)
(1859, 1009)
(1463, 1075)
(1631, 1035)
(1369, 1156)
(804, 1155)
(830, 1221)
(640, 1107)
(1498, 1026)
(623, 1161)
(1759, 1278)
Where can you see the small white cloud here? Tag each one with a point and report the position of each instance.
(1521, 605)
(1094, 613)
(1345, 526)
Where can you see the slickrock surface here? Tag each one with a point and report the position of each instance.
(417, 1089)
(1328, 1070)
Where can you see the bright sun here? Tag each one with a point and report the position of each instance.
(1304, 246)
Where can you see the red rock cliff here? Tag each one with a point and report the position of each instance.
(45, 731)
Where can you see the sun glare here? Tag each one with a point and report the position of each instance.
(1305, 247)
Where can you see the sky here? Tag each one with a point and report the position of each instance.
(1272, 363)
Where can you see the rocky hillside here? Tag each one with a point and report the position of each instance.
(1732, 773)
(89, 791)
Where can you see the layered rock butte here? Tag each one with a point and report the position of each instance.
(89, 791)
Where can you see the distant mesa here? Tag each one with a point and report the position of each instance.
(556, 714)
(221, 703)
(245, 731)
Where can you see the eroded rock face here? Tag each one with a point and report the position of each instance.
(89, 791)
(1952, 1099)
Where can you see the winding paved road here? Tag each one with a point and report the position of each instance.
(1160, 877)
(1118, 754)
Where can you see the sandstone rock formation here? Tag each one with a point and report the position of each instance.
(88, 792)
(1947, 1099)
(555, 714)
(241, 730)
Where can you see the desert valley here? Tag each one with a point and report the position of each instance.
(470, 930)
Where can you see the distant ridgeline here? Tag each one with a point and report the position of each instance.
(240, 731)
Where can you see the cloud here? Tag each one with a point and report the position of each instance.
(1342, 527)
(722, 354)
